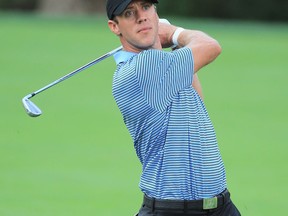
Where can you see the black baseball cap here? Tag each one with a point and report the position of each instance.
(116, 7)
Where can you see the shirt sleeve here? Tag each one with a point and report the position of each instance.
(161, 75)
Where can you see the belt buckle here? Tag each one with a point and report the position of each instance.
(210, 203)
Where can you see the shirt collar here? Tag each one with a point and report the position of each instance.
(123, 56)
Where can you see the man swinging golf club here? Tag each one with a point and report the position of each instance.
(159, 96)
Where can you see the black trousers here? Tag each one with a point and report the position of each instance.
(169, 208)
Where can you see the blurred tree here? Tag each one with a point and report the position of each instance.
(267, 10)
(71, 6)
(18, 4)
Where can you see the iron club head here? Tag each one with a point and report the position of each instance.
(31, 109)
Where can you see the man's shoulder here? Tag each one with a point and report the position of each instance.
(154, 53)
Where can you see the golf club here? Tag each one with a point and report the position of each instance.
(34, 111)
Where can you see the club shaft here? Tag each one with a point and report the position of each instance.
(101, 58)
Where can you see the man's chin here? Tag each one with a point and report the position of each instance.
(146, 46)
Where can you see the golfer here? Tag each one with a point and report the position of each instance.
(159, 96)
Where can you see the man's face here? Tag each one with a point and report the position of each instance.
(137, 26)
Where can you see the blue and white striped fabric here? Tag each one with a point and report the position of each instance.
(173, 136)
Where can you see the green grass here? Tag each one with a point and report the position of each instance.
(78, 159)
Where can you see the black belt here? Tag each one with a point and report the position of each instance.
(203, 204)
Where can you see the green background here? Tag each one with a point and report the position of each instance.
(78, 159)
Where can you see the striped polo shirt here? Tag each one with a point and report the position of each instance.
(172, 133)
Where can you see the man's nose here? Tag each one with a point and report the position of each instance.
(141, 16)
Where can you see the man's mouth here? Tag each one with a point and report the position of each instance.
(144, 30)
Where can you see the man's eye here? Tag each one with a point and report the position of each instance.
(146, 6)
(128, 13)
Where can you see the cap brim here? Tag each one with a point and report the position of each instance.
(121, 7)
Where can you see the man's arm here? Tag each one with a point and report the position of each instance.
(197, 85)
(204, 48)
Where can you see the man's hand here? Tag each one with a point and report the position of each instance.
(166, 31)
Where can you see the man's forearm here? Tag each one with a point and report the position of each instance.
(205, 48)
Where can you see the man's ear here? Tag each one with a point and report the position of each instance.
(114, 27)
